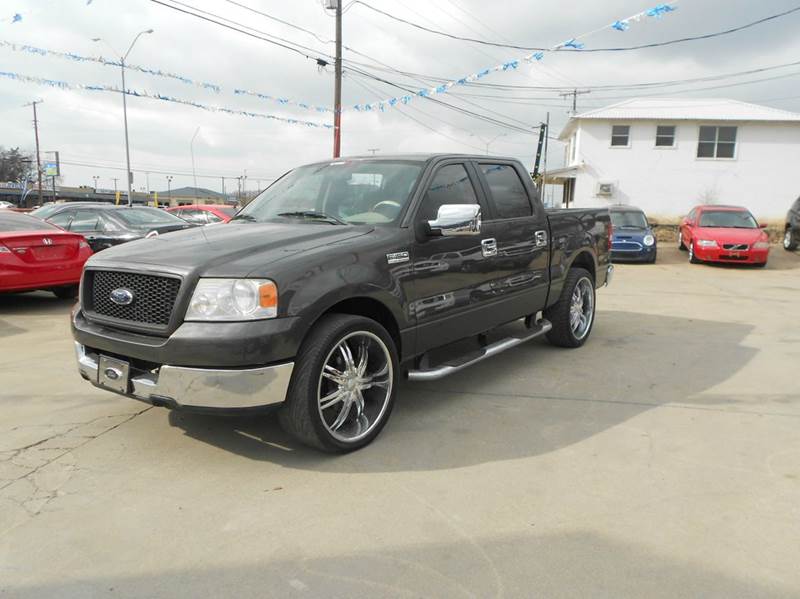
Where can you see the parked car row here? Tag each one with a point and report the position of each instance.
(709, 233)
(791, 234)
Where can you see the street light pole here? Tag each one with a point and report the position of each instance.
(122, 60)
(95, 177)
(191, 151)
(169, 189)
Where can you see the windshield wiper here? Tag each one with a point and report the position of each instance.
(314, 214)
(248, 217)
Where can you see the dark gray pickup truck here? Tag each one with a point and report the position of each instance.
(334, 282)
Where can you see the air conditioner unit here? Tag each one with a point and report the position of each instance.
(605, 189)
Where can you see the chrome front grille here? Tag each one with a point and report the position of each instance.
(735, 247)
(154, 296)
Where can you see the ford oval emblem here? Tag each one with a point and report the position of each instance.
(122, 297)
(113, 374)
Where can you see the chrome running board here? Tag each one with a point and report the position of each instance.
(488, 351)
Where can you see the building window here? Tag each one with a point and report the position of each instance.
(665, 136)
(620, 136)
(716, 142)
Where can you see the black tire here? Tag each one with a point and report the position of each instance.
(300, 415)
(692, 258)
(562, 333)
(790, 240)
(652, 259)
(69, 292)
(681, 246)
(760, 264)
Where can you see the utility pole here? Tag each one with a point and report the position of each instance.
(115, 179)
(575, 93)
(544, 166)
(95, 177)
(337, 90)
(38, 160)
(373, 150)
(169, 189)
(223, 185)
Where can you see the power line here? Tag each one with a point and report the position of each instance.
(542, 49)
(155, 171)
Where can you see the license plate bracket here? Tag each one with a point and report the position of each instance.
(113, 374)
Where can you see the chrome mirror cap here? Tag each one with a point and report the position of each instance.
(456, 219)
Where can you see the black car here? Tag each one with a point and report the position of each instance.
(633, 237)
(334, 282)
(106, 225)
(791, 236)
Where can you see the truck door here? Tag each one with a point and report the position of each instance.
(450, 274)
(516, 220)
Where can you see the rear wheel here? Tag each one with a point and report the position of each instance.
(790, 240)
(572, 316)
(69, 292)
(343, 386)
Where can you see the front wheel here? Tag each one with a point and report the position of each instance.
(343, 386)
(692, 258)
(572, 316)
(790, 240)
(681, 245)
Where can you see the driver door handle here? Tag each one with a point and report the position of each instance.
(489, 247)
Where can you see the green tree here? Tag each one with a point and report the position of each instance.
(15, 165)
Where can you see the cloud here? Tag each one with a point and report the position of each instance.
(87, 127)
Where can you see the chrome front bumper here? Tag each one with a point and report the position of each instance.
(178, 386)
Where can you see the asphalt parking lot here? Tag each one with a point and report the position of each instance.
(660, 460)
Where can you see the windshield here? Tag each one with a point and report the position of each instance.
(729, 219)
(628, 218)
(346, 191)
(146, 217)
(227, 211)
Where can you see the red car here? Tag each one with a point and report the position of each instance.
(37, 255)
(723, 234)
(204, 214)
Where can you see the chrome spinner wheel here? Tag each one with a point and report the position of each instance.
(355, 386)
(581, 311)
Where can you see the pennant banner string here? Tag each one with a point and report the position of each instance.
(213, 87)
(156, 96)
(572, 44)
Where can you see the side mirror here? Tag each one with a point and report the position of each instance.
(652, 223)
(454, 220)
(762, 225)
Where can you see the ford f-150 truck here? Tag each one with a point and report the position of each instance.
(334, 282)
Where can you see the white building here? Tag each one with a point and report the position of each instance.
(666, 155)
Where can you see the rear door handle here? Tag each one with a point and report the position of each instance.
(489, 247)
(540, 238)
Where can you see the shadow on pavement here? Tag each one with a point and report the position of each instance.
(39, 302)
(529, 401)
(779, 259)
(572, 564)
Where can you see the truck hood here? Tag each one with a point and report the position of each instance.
(226, 249)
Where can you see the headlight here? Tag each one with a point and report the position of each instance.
(761, 245)
(706, 243)
(648, 240)
(233, 299)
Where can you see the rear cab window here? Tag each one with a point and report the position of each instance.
(23, 222)
(506, 191)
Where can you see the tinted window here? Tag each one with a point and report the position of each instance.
(197, 217)
(620, 135)
(213, 218)
(509, 195)
(716, 142)
(665, 136)
(22, 222)
(62, 218)
(737, 219)
(85, 220)
(144, 217)
(450, 185)
(227, 211)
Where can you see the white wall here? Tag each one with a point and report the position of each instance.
(667, 182)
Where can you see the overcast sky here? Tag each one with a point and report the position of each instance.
(86, 127)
